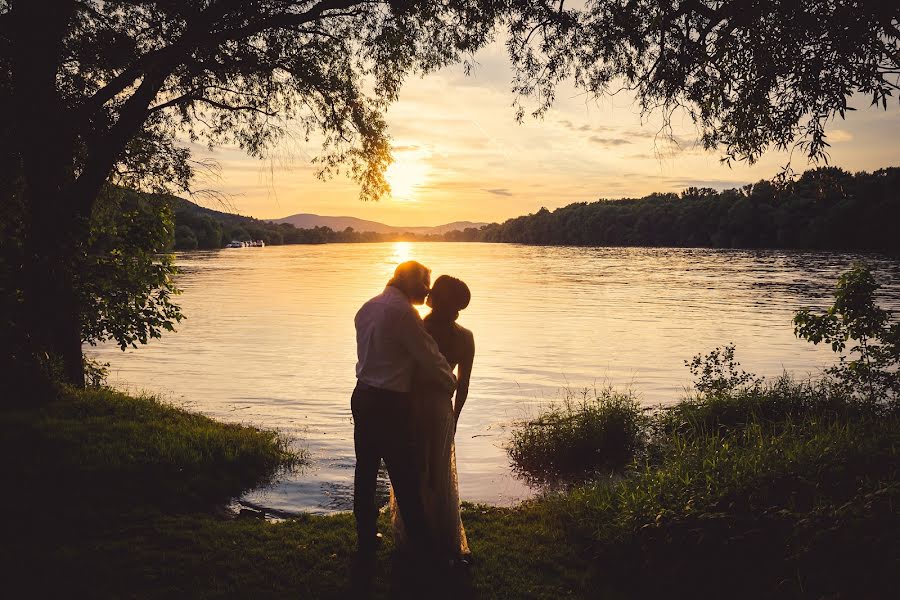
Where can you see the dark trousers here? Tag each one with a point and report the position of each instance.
(382, 429)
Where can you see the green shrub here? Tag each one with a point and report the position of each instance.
(770, 403)
(752, 510)
(581, 436)
(872, 368)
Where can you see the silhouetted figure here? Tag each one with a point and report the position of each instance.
(435, 415)
(392, 346)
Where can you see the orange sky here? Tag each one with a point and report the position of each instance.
(460, 155)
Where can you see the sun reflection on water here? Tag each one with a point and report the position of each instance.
(402, 252)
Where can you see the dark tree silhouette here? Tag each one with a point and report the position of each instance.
(751, 73)
(102, 91)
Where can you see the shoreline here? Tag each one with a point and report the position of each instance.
(129, 538)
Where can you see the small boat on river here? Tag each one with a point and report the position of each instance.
(250, 244)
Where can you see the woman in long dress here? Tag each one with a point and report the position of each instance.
(436, 417)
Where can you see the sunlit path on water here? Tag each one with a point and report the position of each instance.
(269, 338)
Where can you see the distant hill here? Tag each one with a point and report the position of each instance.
(198, 227)
(308, 221)
(181, 205)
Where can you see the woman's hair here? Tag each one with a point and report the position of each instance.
(449, 294)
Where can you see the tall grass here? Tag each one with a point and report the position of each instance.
(782, 400)
(802, 508)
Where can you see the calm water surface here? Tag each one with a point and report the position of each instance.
(269, 338)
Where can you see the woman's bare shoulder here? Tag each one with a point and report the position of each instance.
(465, 335)
(463, 331)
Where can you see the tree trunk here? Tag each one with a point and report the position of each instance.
(53, 223)
(51, 261)
(59, 204)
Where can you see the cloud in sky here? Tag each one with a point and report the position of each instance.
(483, 166)
(605, 141)
(839, 135)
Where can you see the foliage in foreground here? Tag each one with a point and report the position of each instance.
(787, 488)
(781, 493)
(801, 505)
(124, 279)
(775, 495)
(872, 369)
(121, 489)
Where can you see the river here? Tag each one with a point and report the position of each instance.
(269, 338)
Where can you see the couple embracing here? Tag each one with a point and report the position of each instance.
(404, 412)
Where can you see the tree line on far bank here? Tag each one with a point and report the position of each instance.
(824, 209)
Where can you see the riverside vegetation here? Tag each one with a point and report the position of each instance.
(745, 488)
(825, 209)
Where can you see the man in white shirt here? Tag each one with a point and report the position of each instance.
(392, 345)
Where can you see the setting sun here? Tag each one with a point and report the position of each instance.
(405, 175)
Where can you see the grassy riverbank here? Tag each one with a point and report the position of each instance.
(113, 496)
(110, 496)
(780, 489)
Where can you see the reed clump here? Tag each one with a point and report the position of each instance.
(587, 432)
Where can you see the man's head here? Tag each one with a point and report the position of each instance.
(413, 279)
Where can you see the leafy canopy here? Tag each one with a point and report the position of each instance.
(137, 77)
(751, 74)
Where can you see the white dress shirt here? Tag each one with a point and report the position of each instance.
(392, 345)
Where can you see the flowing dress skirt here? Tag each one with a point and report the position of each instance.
(435, 430)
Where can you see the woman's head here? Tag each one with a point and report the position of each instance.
(449, 295)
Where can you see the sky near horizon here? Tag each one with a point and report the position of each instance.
(461, 156)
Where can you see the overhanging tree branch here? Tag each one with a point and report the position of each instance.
(203, 34)
(189, 98)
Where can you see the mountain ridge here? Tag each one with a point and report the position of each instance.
(310, 220)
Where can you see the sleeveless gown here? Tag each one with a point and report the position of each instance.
(436, 428)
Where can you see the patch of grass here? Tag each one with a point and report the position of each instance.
(780, 401)
(523, 552)
(111, 446)
(519, 553)
(583, 435)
